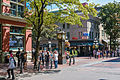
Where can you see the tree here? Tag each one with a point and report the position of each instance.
(109, 14)
(41, 19)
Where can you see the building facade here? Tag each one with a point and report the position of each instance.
(12, 25)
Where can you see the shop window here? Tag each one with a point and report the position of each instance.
(16, 41)
(0, 37)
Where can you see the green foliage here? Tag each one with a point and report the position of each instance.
(43, 20)
(109, 15)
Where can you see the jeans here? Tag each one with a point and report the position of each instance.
(56, 64)
(12, 73)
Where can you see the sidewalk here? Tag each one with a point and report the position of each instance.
(84, 61)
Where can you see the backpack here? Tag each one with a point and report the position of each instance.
(14, 61)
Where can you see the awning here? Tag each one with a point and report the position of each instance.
(85, 44)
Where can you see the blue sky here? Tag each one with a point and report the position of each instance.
(101, 2)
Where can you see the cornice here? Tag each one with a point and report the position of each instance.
(12, 18)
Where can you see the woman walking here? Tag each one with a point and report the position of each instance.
(11, 66)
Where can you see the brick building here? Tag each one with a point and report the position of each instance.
(11, 27)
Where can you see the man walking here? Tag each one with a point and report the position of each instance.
(18, 56)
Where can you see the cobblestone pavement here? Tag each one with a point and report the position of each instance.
(84, 69)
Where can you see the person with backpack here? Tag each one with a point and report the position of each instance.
(12, 65)
(18, 56)
(73, 53)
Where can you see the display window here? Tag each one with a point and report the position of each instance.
(16, 41)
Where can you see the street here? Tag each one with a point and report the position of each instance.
(84, 69)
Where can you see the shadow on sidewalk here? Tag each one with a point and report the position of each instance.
(113, 60)
(49, 71)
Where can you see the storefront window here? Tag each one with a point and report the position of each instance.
(16, 38)
(0, 37)
(16, 41)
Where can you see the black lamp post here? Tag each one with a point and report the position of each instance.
(61, 36)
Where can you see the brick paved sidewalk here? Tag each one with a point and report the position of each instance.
(30, 70)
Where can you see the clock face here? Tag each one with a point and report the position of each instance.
(59, 36)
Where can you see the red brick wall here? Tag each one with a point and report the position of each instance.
(28, 40)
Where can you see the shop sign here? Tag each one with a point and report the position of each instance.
(85, 34)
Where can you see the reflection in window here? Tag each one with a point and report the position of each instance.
(16, 41)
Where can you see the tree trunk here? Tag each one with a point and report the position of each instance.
(36, 54)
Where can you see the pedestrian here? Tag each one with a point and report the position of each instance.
(94, 53)
(67, 56)
(47, 60)
(11, 67)
(72, 55)
(39, 60)
(51, 59)
(33, 54)
(55, 55)
(22, 60)
(43, 57)
(98, 54)
(18, 56)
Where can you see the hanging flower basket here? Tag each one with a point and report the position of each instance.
(67, 44)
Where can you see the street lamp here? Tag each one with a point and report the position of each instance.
(49, 42)
(61, 36)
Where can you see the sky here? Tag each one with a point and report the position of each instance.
(101, 2)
